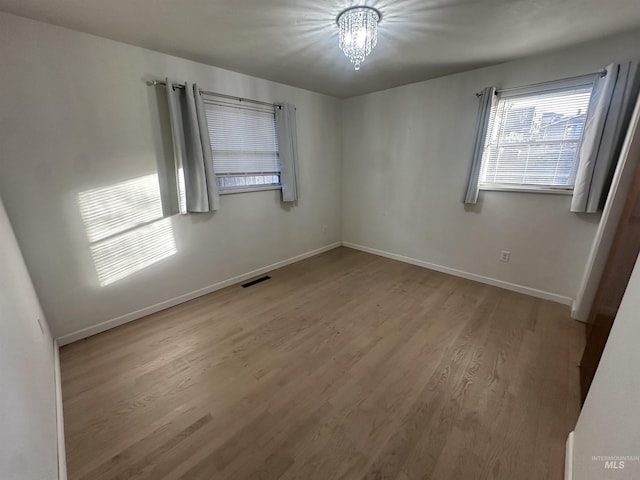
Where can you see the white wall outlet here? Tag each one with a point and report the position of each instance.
(324, 229)
(504, 256)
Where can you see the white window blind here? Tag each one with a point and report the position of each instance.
(243, 144)
(533, 138)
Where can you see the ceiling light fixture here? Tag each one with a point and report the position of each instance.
(358, 32)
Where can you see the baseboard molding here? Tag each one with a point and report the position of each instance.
(574, 310)
(470, 276)
(575, 314)
(114, 322)
(62, 457)
(143, 312)
(568, 458)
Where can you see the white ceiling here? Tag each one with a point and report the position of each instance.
(295, 42)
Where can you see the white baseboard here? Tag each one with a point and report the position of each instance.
(62, 457)
(470, 276)
(575, 314)
(143, 312)
(114, 322)
(568, 458)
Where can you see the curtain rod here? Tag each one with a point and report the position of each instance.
(214, 94)
(601, 73)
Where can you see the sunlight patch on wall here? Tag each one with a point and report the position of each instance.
(110, 210)
(126, 228)
(121, 255)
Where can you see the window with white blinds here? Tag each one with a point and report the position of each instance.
(243, 144)
(533, 138)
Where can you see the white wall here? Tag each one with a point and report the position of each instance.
(28, 435)
(406, 155)
(608, 422)
(76, 114)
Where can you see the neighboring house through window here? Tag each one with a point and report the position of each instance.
(533, 138)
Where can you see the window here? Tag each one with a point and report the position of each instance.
(533, 138)
(243, 144)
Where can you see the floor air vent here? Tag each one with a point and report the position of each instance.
(257, 280)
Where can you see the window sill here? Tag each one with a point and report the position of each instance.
(527, 189)
(231, 191)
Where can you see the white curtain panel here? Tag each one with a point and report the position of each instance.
(210, 182)
(197, 188)
(487, 97)
(178, 141)
(610, 109)
(288, 150)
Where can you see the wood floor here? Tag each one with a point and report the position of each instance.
(342, 366)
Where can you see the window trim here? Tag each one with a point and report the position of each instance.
(252, 188)
(496, 187)
(529, 90)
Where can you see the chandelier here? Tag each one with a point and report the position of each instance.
(358, 32)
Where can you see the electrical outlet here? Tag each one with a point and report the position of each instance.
(324, 229)
(504, 256)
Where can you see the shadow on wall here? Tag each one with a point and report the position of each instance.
(126, 227)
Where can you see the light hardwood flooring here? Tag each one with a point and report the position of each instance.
(342, 366)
